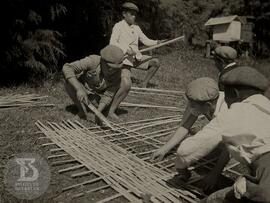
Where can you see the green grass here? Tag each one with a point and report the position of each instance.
(17, 125)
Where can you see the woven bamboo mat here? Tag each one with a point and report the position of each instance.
(121, 160)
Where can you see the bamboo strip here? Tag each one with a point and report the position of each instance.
(26, 105)
(19, 100)
(64, 162)
(163, 44)
(155, 94)
(99, 115)
(57, 156)
(75, 175)
(227, 169)
(48, 144)
(171, 108)
(71, 168)
(158, 90)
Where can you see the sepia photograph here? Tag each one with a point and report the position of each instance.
(140, 101)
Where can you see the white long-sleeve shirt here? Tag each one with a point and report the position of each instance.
(128, 36)
(245, 128)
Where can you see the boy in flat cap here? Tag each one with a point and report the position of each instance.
(204, 98)
(101, 74)
(224, 57)
(244, 128)
(126, 35)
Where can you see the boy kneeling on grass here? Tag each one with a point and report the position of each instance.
(101, 74)
(205, 99)
(245, 131)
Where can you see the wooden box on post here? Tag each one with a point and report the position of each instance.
(225, 29)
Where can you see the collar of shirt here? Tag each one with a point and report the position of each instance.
(127, 25)
(221, 105)
(229, 65)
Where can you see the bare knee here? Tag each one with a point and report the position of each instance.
(126, 83)
(154, 62)
(180, 161)
(180, 152)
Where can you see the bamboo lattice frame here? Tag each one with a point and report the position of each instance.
(129, 142)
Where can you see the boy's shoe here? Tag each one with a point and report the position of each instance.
(183, 174)
(181, 178)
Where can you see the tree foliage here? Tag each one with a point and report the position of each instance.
(30, 48)
(39, 35)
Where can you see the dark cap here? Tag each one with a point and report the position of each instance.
(202, 89)
(130, 6)
(112, 54)
(245, 76)
(225, 52)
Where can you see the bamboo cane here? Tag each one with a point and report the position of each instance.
(155, 94)
(99, 115)
(64, 162)
(171, 108)
(157, 90)
(75, 175)
(162, 44)
(71, 168)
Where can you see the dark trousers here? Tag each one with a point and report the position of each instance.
(258, 185)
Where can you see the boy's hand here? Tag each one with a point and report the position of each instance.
(138, 56)
(82, 96)
(161, 41)
(130, 51)
(240, 187)
(158, 155)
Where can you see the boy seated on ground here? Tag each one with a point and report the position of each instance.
(101, 74)
(245, 133)
(204, 98)
(126, 35)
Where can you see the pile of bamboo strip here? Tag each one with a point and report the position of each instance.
(168, 108)
(20, 100)
(155, 98)
(121, 170)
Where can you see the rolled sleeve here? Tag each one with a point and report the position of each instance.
(76, 68)
(189, 117)
(200, 144)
